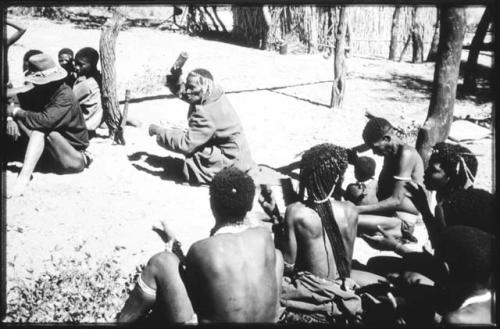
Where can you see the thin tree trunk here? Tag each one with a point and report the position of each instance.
(339, 65)
(440, 115)
(214, 8)
(107, 42)
(214, 23)
(431, 57)
(266, 39)
(407, 43)
(475, 47)
(418, 43)
(394, 33)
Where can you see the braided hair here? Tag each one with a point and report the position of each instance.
(232, 193)
(322, 169)
(448, 155)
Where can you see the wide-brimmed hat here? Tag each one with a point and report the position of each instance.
(42, 69)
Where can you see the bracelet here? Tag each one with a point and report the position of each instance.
(16, 109)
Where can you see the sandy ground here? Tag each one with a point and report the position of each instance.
(108, 210)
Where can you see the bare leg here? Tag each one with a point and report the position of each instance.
(34, 151)
(364, 278)
(162, 275)
(70, 159)
(367, 224)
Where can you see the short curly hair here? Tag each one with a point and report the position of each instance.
(88, 53)
(470, 207)
(448, 155)
(375, 129)
(468, 252)
(231, 193)
(364, 168)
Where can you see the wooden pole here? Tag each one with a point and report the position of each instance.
(339, 65)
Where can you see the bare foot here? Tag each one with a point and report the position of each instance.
(19, 187)
(165, 232)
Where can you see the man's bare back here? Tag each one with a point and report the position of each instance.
(233, 277)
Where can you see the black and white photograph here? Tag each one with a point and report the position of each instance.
(268, 163)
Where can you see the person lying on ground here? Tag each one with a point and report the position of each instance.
(316, 238)
(232, 276)
(59, 127)
(394, 211)
(87, 87)
(214, 138)
(67, 62)
(364, 191)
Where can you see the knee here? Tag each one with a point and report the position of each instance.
(162, 261)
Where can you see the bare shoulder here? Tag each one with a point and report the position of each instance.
(298, 209)
(344, 210)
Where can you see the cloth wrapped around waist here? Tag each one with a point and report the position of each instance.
(307, 293)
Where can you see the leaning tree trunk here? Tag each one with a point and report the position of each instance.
(394, 33)
(214, 8)
(339, 64)
(107, 42)
(475, 47)
(431, 57)
(440, 115)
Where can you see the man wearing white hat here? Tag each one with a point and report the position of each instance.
(58, 125)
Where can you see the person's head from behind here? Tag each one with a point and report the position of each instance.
(65, 57)
(448, 165)
(86, 61)
(231, 195)
(26, 58)
(364, 168)
(379, 135)
(470, 207)
(468, 253)
(322, 169)
(198, 86)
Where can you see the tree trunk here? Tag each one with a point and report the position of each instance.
(214, 23)
(267, 41)
(339, 65)
(107, 42)
(394, 33)
(475, 47)
(418, 43)
(440, 115)
(214, 8)
(431, 57)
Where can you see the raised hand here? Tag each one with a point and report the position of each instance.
(165, 232)
(417, 195)
(268, 203)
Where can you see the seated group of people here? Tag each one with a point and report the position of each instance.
(303, 271)
(56, 110)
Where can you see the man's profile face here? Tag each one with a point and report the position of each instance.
(435, 177)
(193, 92)
(66, 61)
(83, 67)
(380, 147)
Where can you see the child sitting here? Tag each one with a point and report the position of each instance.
(364, 191)
(87, 87)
